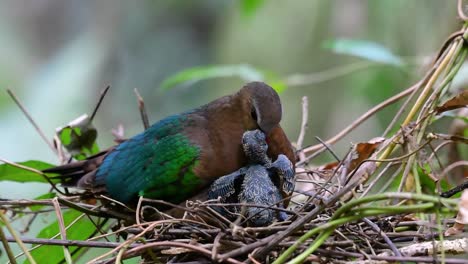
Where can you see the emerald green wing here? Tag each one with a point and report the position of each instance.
(157, 163)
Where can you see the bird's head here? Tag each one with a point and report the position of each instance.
(263, 105)
(255, 146)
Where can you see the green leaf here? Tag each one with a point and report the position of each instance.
(35, 208)
(429, 186)
(365, 49)
(245, 72)
(79, 138)
(12, 173)
(249, 7)
(80, 230)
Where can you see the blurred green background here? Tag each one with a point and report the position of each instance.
(58, 55)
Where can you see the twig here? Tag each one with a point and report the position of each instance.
(403, 107)
(68, 243)
(31, 220)
(328, 147)
(454, 246)
(6, 246)
(31, 120)
(378, 177)
(416, 86)
(389, 242)
(452, 51)
(269, 206)
(341, 217)
(128, 242)
(361, 119)
(141, 107)
(458, 188)
(118, 258)
(453, 166)
(63, 233)
(216, 244)
(304, 125)
(461, 13)
(138, 210)
(61, 155)
(390, 259)
(101, 213)
(101, 97)
(195, 248)
(17, 238)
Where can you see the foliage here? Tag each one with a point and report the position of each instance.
(363, 49)
(79, 138)
(9, 172)
(245, 72)
(80, 229)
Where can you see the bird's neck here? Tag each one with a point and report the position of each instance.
(227, 111)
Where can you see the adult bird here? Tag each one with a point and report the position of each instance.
(181, 154)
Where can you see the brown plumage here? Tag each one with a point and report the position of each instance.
(179, 155)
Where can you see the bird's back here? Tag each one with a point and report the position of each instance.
(158, 163)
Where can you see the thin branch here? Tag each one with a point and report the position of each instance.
(304, 125)
(101, 97)
(31, 120)
(141, 107)
(461, 13)
(389, 242)
(17, 238)
(328, 147)
(67, 243)
(199, 249)
(391, 259)
(63, 233)
(454, 165)
(444, 61)
(6, 246)
(361, 119)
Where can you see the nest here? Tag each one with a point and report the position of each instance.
(383, 202)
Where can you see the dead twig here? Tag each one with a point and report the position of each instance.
(141, 107)
(361, 119)
(63, 233)
(31, 120)
(101, 97)
(16, 238)
(6, 246)
(389, 242)
(304, 125)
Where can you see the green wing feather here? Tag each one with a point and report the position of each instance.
(157, 163)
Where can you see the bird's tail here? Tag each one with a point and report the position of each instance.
(81, 174)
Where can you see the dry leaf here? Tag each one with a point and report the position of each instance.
(329, 166)
(462, 217)
(454, 230)
(363, 151)
(459, 101)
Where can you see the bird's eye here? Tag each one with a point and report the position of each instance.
(253, 114)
